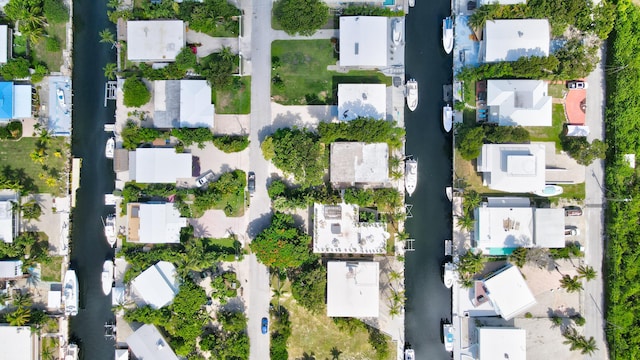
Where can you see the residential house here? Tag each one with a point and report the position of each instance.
(364, 41)
(10, 269)
(362, 100)
(159, 165)
(501, 343)
(359, 164)
(518, 168)
(9, 221)
(6, 44)
(509, 40)
(15, 101)
(18, 343)
(519, 102)
(155, 40)
(148, 343)
(182, 104)
(154, 223)
(156, 286)
(508, 292)
(353, 289)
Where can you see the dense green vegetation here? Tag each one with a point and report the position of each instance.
(622, 275)
(309, 286)
(231, 143)
(362, 129)
(298, 153)
(280, 332)
(12, 130)
(230, 341)
(302, 17)
(282, 245)
(469, 139)
(370, 10)
(134, 135)
(135, 92)
(30, 247)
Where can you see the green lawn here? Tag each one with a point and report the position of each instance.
(19, 46)
(304, 76)
(51, 271)
(573, 191)
(557, 90)
(236, 100)
(550, 133)
(53, 59)
(469, 93)
(15, 163)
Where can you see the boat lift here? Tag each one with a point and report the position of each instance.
(408, 245)
(110, 88)
(407, 209)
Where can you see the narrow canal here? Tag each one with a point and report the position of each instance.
(428, 300)
(89, 248)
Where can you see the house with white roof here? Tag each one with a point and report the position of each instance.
(154, 223)
(359, 164)
(9, 224)
(159, 165)
(505, 224)
(509, 40)
(18, 343)
(518, 168)
(155, 40)
(182, 104)
(353, 289)
(148, 343)
(519, 102)
(156, 286)
(501, 343)
(6, 43)
(364, 41)
(10, 269)
(362, 101)
(337, 230)
(508, 292)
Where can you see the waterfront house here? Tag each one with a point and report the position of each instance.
(507, 291)
(18, 342)
(10, 269)
(182, 104)
(509, 40)
(353, 289)
(156, 286)
(501, 343)
(154, 223)
(364, 41)
(518, 168)
(15, 101)
(505, 224)
(337, 229)
(357, 164)
(159, 165)
(362, 100)
(148, 343)
(155, 40)
(6, 43)
(9, 224)
(519, 102)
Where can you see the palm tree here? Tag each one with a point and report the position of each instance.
(110, 71)
(470, 264)
(587, 272)
(106, 36)
(482, 15)
(394, 162)
(471, 200)
(571, 284)
(19, 316)
(572, 338)
(395, 275)
(394, 309)
(398, 297)
(466, 222)
(22, 300)
(114, 4)
(588, 346)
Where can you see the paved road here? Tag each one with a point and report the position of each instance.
(593, 296)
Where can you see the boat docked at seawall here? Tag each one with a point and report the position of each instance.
(447, 118)
(549, 190)
(107, 276)
(410, 175)
(412, 94)
(448, 334)
(412, 3)
(447, 34)
(71, 353)
(396, 33)
(449, 276)
(70, 293)
(110, 148)
(110, 230)
(409, 354)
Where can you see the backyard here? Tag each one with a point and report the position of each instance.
(550, 133)
(235, 100)
(300, 75)
(53, 59)
(51, 271)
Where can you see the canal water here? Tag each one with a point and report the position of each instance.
(428, 301)
(88, 245)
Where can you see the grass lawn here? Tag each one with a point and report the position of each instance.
(466, 171)
(550, 133)
(236, 100)
(573, 191)
(51, 271)
(557, 90)
(469, 93)
(19, 45)
(17, 164)
(53, 59)
(303, 71)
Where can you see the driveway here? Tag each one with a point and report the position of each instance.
(209, 45)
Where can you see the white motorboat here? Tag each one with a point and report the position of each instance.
(70, 293)
(410, 175)
(549, 190)
(396, 34)
(449, 274)
(71, 353)
(447, 34)
(107, 276)
(409, 354)
(412, 94)
(449, 192)
(110, 230)
(447, 118)
(110, 148)
(412, 3)
(447, 333)
(60, 96)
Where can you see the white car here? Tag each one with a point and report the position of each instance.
(577, 85)
(571, 231)
(204, 179)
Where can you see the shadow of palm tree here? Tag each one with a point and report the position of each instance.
(335, 353)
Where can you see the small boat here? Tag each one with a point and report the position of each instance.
(447, 34)
(410, 175)
(448, 248)
(107, 276)
(447, 118)
(71, 353)
(449, 274)
(449, 192)
(412, 94)
(447, 333)
(110, 148)
(409, 354)
(412, 3)
(397, 32)
(70, 293)
(549, 190)
(110, 230)
(60, 96)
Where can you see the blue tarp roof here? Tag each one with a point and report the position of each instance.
(6, 100)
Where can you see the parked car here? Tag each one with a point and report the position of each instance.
(577, 85)
(204, 179)
(251, 182)
(265, 325)
(572, 211)
(571, 231)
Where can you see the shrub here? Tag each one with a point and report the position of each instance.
(52, 44)
(230, 143)
(186, 59)
(12, 130)
(188, 136)
(136, 93)
(56, 11)
(134, 135)
(17, 68)
(469, 140)
(301, 16)
(579, 148)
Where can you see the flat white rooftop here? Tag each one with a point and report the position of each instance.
(155, 40)
(362, 100)
(509, 40)
(159, 165)
(353, 289)
(364, 41)
(502, 343)
(160, 223)
(17, 343)
(357, 163)
(513, 167)
(519, 102)
(508, 292)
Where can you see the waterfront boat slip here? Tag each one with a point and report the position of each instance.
(107, 276)
(410, 175)
(447, 34)
(412, 94)
(70, 293)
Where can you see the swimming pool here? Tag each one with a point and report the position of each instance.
(389, 2)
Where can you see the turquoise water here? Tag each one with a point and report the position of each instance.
(501, 251)
(389, 2)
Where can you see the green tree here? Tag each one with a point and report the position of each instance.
(110, 70)
(31, 210)
(519, 256)
(470, 264)
(483, 14)
(469, 140)
(56, 11)
(578, 148)
(309, 288)
(301, 16)
(298, 153)
(19, 317)
(16, 68)
(106, 36)
(587, 272)
(136, 93)
(571, 284)
(134, 135)
(282, 245)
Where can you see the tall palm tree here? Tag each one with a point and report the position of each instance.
(466, 221)
(19, 317)
(571, 284)
(110, 71)
(395, 275)
(22, 300)
(588, 346)
(587, 272)
(395, 309)
(483, 14)
(106, 36)
(572, 338)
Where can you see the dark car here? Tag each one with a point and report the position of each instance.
(572, 211)
(577, 85)
(251, 182)
(265, 325)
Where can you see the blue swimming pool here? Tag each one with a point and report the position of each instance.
(389, 2)
(501, 251)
